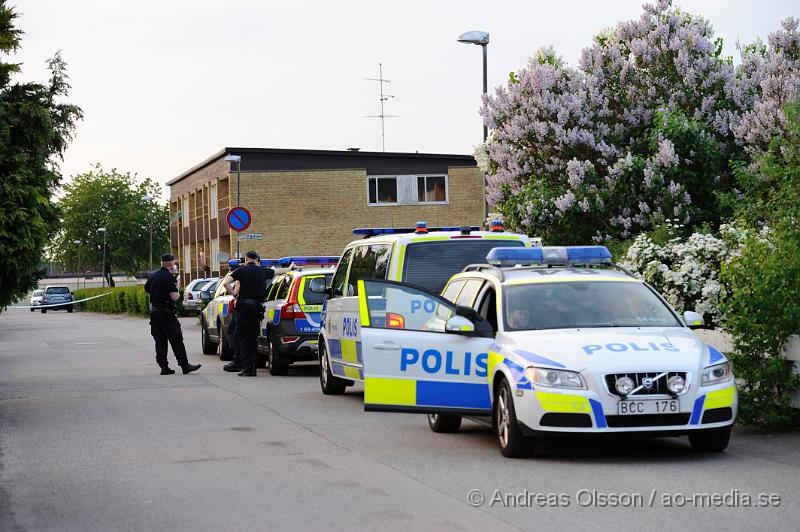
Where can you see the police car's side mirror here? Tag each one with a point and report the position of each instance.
(317, 285)
(459, 324)
(694, 320)
(467, 312)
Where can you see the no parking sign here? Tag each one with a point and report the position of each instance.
(239, 218)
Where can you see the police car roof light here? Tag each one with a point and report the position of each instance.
(422, 227)
(550, 255)
(309, 259)
(374, 231)
(497, 226)
(233, 263)
(270, 262)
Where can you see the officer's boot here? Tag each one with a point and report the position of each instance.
(248, 370)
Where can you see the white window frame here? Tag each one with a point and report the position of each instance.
(446, 190)
(214, 254)
(185, 211)
(212, 201)
(187, 258)
(414, 200)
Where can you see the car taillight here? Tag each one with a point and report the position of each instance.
(289, 339)
(291, 310)
(232, 304)
(395, 321)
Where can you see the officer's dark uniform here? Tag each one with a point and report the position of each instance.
(164, 325)
(250, 311)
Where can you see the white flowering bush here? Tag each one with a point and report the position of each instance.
(645, 129)
(687, 271)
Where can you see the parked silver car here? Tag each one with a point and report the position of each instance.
(192, 293)
(36, 299)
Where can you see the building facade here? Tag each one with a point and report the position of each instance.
(307, 202)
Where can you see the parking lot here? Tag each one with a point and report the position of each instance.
(92, 438)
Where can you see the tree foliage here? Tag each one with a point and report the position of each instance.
(116, 201)
(36, 126)
(644, 130)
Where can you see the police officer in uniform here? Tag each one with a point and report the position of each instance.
(164, 325)
(250, 295)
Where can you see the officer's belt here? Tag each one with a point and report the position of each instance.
(248, 301)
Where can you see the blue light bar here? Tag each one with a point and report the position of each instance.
(373, 231)
(322, 260)
(234, 263)
(552, 255)
(270, 262)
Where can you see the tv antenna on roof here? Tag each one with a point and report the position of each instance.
(384, 97)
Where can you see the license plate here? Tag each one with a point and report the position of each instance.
(657, 406)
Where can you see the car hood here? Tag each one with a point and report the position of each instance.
(632, 348)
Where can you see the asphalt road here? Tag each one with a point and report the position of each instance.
(92, 438)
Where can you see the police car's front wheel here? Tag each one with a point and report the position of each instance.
(710, 440)
(444, 423)
(513, 444)
(330, 384)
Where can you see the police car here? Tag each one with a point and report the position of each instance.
(542, 342)
(292, 319)
(422, 256)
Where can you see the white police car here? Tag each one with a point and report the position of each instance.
(422, 256)
(546, 343)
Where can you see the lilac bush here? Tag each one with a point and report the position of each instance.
(643, 130)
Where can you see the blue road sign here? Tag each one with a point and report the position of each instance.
(239, 218)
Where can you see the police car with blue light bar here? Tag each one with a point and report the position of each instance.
(543, 342)
(422, 256)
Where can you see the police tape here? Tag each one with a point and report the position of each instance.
(64, 304)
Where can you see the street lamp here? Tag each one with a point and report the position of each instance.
(238, 160)
(481, 38)
(149, 199)
(78, 243)
(103, 230)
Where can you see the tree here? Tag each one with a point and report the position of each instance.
(35, 128)
(645, 130)
(117, 202)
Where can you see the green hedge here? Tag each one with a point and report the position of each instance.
(130, 300)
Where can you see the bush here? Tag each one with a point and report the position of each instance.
(131, 300)
(761, 314)
(686, 271)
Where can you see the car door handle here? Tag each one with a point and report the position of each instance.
(387, 347)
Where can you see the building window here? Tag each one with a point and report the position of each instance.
(214, 254)
(432, 189)
(213, 201)
(187, 259)
(406, 189)
(382, 190)
(185, 211)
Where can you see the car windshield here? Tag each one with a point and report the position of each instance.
(37, 293)
(430, 264)
(584, 304)
(314, 298)
(58, 290)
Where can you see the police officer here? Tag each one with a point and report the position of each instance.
(250, 296)
(164, 325)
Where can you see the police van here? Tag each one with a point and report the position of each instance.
(542, 342)
(291, 321)
(422, 256)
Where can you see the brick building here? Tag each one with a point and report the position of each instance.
(307, 202)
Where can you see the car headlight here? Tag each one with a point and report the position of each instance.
(716, 374)
(555, 378)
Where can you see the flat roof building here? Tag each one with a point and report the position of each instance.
(307, 202)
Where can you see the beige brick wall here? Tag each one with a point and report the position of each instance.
(314, 212)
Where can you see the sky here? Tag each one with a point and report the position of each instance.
(164, 84)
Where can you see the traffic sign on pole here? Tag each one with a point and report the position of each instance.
(239, 218)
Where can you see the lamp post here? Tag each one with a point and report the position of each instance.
(103, 230)
(78, 243)
(238, 160)
(480, 38)
(149, 199)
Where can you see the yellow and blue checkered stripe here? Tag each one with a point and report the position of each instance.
(441, 394)
(716, 399)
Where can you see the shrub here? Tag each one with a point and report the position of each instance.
(761, 313)
(130, 300)
(686, 271)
